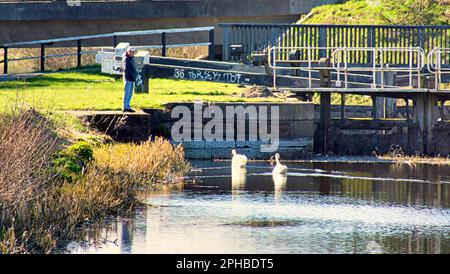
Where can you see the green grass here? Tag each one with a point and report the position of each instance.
(397, 12)
(87, 89)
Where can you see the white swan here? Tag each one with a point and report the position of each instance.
(238, 159)
(279, 181)
(238, 177)
(279, 168)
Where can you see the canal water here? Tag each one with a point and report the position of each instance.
(316, 208)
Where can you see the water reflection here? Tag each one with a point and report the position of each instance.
(320, 208)
(280, 183)
(238, 178)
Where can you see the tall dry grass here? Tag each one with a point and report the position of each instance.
(39, 211)
(51, 63)
(148, 163)
(397, 155)
(27, 145)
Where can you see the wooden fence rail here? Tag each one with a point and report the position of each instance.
(114, 36)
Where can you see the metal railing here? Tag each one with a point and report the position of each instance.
(379, 64)
(114, 36)
(439, 65)
(306, 62)
(261, 37)
(308, 59)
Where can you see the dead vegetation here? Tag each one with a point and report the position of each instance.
(256, 92)
(42, 211)
(397, 155)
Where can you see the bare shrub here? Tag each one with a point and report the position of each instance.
(27, 145)
(39, 211)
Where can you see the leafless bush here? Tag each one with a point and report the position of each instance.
(27, 145)
(40, 212)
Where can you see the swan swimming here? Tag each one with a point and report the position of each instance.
(238, 177)
(279, 168)
(238, 159)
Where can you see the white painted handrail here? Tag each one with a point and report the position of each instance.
(277, 51)
(416, 63)
(339, 59)
(435, 64)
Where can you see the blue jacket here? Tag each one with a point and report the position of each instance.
(130, 69)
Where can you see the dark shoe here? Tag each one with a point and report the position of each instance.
(128, 110)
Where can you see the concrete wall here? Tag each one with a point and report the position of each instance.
(296, 132)
(365, 142)
(43, 20)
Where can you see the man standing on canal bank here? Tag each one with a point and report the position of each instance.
(129, 78)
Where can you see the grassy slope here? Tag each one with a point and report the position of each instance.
(87, 89)
(353, 12)
(376, 12)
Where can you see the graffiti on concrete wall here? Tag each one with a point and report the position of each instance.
(205, 75)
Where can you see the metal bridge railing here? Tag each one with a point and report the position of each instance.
(306, 62)
(379, 64)
(308, 59)
(259, 37)
(439, 65)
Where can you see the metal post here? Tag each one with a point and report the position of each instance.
(325, 120)
(164, 44)
(371, 43)
(374, 107)
(421, 37)
(78, 53)
(225, 44)
(342, 106)
(437, 79)
(5, 60)
(407, 108)
(211, 49)
(42, 57)
(345, 69)
(322, 42)
(115, 41)
(309, 68)
(411, 85)
(374, 68)
(274, 67)
(382, 68)
(419, 63)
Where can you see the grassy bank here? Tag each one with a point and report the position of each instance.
(87, 89)
(51, 187)
(388, 12)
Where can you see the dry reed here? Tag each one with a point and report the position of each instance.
(40, 212)
(148, 163)
(397, 155)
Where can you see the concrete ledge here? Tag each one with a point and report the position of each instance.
(220, 144)
(199, 154)
(122, 127)
(293, 150)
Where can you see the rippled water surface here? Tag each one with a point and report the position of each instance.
(317, 208)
